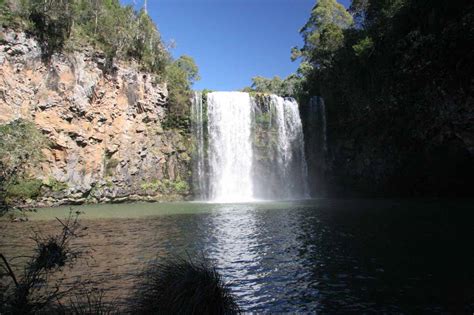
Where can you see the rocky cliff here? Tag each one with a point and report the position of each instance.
(106, 128)
(427, 155)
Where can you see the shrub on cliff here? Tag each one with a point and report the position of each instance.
(21, 144)
(166, 186)
(181, 187)
(20, 149)
(51, 22)
(8, 16)
(180, 75)
(23, 189)
(120, 31)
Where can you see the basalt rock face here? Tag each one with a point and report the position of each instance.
(105, 128)
(429, 155)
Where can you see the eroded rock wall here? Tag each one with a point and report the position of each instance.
(106, 130)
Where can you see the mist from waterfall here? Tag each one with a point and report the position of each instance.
(249, 148)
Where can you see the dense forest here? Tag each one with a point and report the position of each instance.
(396, 76)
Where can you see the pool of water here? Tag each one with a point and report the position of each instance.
(301, 256)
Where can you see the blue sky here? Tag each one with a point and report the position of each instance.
(232, 40)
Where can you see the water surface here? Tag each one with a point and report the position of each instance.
(320, 255)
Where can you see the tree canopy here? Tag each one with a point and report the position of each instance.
(120, 31)
(323, 34)
(180, 75)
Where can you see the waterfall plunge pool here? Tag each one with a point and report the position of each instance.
(296, 256)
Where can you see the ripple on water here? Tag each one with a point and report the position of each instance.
(329, 256)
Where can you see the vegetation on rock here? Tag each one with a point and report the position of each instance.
(180, 75)
(166, 186)
(105, 54)
(23, 189)
(119, 31)
(20, 149)
(54, 184)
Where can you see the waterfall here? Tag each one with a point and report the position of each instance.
(230, 147)
(252, 148)
(290, 145)
(197, 126)
(318, 108)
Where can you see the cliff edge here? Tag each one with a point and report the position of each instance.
(107, 140)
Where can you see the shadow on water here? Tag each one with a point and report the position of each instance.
(323, 255)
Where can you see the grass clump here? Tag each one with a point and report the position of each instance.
(90, 301)
(111, 166)
(31, 292)
(180, 286)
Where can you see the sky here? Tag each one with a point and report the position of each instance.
(232, 40)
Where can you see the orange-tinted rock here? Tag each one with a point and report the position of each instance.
(106, 134)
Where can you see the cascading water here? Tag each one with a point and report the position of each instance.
(197, 125)
(290, 145)
(254, 148)
(230, 147)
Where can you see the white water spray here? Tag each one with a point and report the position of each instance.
(290, 145)
(242, 166)
(230, 147)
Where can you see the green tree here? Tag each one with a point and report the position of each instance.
(148, 47)
(119, 31)
(52, 22)
(323, 34)
(187, 65)
(290, 86)
(21, 143)
(180, 75)
(265, 85)
(396, 74)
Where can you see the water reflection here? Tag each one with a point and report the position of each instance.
(329, 256)
(255, 249)
(232, 243)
